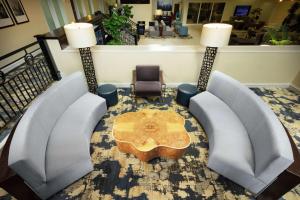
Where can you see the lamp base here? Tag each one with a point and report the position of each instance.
(88, 67)
(207, 64)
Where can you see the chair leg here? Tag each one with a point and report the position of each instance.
(161, 99)
(163, 89)
(132, 95)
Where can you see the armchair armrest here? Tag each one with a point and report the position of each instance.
(163, 84)
(133, 77)
(132, 85)
(161, 78)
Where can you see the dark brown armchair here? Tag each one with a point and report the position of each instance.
(147, 81)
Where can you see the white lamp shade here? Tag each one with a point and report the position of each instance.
(215, 34)
(80, 35)
(158, 12)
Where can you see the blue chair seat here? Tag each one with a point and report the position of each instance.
(183, 31)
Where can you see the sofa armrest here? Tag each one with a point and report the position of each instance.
(9, 180)
(287, 180)
(294, 168)
(161, 78)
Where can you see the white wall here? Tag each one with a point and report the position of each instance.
(271, 65)
(142, 12)
(280, 12)
(296, 81)
(17, 36)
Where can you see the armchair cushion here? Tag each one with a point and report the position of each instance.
(148, 88)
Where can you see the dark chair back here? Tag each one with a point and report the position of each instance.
(151, 23)
(147, 73)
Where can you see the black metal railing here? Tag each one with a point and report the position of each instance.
(128, 38)
(131, 36)
(133, 26)
(24, 74)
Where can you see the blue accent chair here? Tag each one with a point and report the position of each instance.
(183, 31)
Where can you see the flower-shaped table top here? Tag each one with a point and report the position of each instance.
(151, 133)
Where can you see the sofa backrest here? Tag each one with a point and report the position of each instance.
(28, 147)
(271, 146)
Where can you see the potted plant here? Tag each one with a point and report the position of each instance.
(292, 20)
(278, 36)
(255, 14)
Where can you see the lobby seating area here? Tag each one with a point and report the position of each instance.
(240, 163)
(159, 29)
(149, 178)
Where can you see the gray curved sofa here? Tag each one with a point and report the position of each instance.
(247, 143)
(50, 148)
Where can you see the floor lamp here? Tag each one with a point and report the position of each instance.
(82, 36)
(158, 14)
(213, 35)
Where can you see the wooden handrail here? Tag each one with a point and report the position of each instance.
(18, 50)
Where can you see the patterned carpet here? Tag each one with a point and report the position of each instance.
(121, 176)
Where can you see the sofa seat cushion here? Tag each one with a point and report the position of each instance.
(230, 149)
(69, 141)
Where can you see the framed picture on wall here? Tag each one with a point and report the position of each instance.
(17, 10)
(165, 5)
(5, 18)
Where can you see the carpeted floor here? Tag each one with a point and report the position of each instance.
(121, 176)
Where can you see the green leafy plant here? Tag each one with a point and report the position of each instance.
(292, 20)
(256, 11)
(118, 20)
(113, 26)
(278, 36)
(127, 11)
(255, 14)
